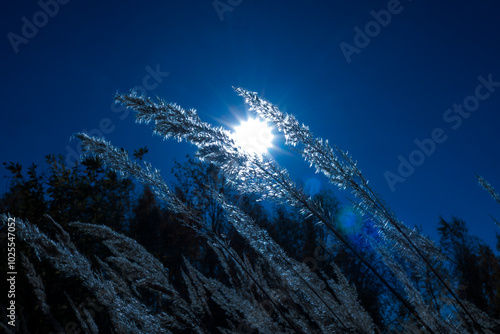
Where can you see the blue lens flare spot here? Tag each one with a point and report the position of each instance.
(349, 221)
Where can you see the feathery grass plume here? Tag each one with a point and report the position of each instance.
(36, 284)
(489, 324)
(246, 308)
(493, 193)
(88, 324)
(347, 295)
(39, 290)
(133, 270)
(119, 161)
(431, 317)
(343, 172)
(296, 277)
(489, 188)
(196, 292)
(495, 220)
(340, 170)
(260, 175)
(263, 290)
(126, 313)
(251, 173)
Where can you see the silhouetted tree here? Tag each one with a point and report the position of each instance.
(147, 222)
(473, 262)
(86, 192)
(26, 196)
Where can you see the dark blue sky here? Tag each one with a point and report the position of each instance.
(394, 89)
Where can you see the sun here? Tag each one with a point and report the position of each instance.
(253, 136)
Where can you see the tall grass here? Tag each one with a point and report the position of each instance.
(271, 293)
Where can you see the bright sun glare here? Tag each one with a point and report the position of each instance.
(253, 136)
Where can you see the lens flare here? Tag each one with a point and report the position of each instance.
(349, 221)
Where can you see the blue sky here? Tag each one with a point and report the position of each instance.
(396, 88)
